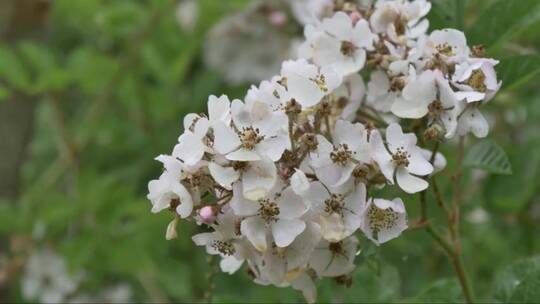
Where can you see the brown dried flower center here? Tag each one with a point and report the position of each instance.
(337, 248)
(445, 49)
(381, 219)
(250, 138)
(347, 48)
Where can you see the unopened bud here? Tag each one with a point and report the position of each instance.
(433, 133)
(479, 51)
(293, 108)
(207, 214)
(171, 233)
(278, 18)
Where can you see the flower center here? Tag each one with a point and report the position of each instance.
(321, 82)
(445, 49)
(381, 219)
(435, 108)
(336, 248)
(268, 211)
(401, 157)
(397, 84)
(334, 204)
(341, 154)
(175, 202)
(225, 248)
(250, 138)
(347, 48)
(477, 81)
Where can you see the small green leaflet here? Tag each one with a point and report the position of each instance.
(488, 156)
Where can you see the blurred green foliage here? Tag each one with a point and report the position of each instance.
(115, 79)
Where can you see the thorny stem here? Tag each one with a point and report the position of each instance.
(452, 247)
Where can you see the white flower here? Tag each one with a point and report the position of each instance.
(384, 220)
(46, 278)
(404, 161)
(334, 163)
(306, 83)
(258, 133)
(278, 213)
(471, 120)
(168, 192)
(353, 91)
(332, 259)
(299, 182)
(449, 44)
(416, 97)
(224, 241)
(338, 209)
(400, 19)
(311, 11)
(476, 79)
(339, 43)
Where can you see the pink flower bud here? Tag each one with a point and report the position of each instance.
(355, 16)
(207, 214)
(278, 18)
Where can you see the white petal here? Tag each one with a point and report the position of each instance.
(219, 109)
(290, 205)
(305, 284)
(258, 179)
(286, 230)
(230, 264)
(224, 176)
(418, 164)
(225, 139)
(185, 207)
(340, 26)
(255, 231)
(274, 147)
(299, 182)
(410, 183)
(243, 155)
(190, 148)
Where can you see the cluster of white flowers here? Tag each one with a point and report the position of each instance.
(283, 179)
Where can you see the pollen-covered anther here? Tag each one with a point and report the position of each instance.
(225, 248)
(321, 83)
(381, 219)
(477, 81)
(334, 204)
(445, 49)
(401, 157)
(347, 48)
(341, 154)
(250, 137)
(268, 210)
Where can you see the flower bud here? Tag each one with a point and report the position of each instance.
(171, 233)
(278, 18)
(207, 214)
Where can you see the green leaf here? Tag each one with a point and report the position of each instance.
(513, 193)
(445, 290)
(4, 93)
(446, 13)
(518, 70)
(519, 282)
(502, 21)
(12, 70)
(488, 156)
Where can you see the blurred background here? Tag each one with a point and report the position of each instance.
(92, 90)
